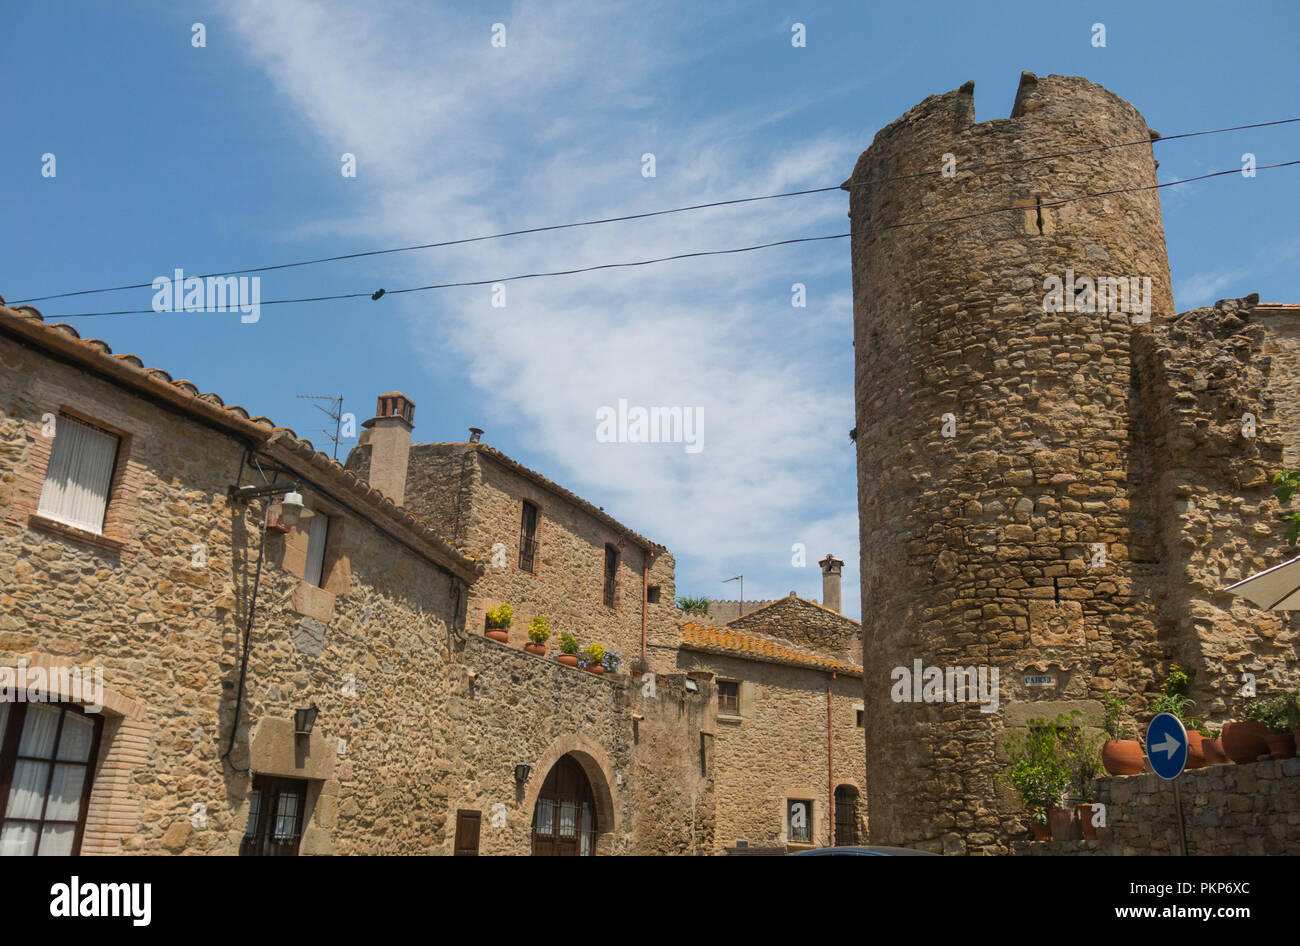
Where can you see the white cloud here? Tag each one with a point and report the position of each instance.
(455, 138)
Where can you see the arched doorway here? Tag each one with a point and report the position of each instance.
(846, 816)
(564, 817)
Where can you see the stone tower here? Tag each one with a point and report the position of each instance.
(993, 436)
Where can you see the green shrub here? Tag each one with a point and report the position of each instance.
(568, 643)
(691, 605)
(1113, 721)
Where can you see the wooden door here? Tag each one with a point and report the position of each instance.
(564, 818)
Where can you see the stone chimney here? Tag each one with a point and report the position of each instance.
(475, 434)
(389, 436)
(831, 582)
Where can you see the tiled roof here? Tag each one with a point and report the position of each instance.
(594, 511)
(128, 370)
(723, 640)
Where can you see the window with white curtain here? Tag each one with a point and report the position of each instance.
(318, 533)
(46, 770)
(78, 477)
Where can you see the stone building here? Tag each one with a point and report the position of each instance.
(548, 551)
(275, 655)
(1048, 488)
(790, 760)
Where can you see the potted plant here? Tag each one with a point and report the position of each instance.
(1038, 824)
(1083, 761)
(612, 660)
(639, 667)
(591, 658)
(1039, 772)
(1120, 755)
(1244, 740)
(539, 632)
(1212, 745)
(568, 654)
(1195, 745)
(498, 622)
(1275, 713)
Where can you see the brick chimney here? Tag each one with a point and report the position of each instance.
(831, 581)
(389, 436)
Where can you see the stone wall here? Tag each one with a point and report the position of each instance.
(808, 625)
(1227, 809)
(402, 741)
(652, 795)
(977, 548)
(776, 749)
(725, 610)
(469, 494)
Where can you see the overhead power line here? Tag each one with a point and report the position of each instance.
(702, 253)
(849, 185)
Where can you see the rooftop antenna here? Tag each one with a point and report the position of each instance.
(741, 579)
(335, 413)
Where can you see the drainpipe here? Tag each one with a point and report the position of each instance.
(645, 592)
(830, 765)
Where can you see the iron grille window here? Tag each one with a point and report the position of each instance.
(611, 573)
(729, 697)
(47, 754)
(798, 820)
(275, 814)
(528, 537)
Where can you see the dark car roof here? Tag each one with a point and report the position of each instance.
(876, 851)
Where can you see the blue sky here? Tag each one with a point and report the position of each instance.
(229, 156)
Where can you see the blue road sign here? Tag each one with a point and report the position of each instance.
(1167, 746)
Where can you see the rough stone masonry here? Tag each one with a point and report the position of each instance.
(1043, 489)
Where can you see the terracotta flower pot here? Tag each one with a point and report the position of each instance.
(569, 660)
(1281, 745)
(497, 634)
(1244, 742)
(704, 675)
(1059, 820)
(1121, 756)
(1085, 821)
(1213, 750)
(1041, 832)
(595, 668)
(538, 649)
(1195, 750)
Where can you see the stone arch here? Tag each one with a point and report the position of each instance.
(600, 773)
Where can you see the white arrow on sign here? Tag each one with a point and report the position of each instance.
(1169, 746)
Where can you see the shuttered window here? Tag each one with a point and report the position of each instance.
(528, 537)
(611, 573)
(78, 477)
(467, 829)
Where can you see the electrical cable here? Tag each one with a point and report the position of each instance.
(697, 254)
(847, 185)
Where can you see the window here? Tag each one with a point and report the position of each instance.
(728, 698)
(467, 828)
(317, 536)
(275, 813)
(859, 718)
(47, 753)
(798, 820)
(78, 477)
(611, 573)
(846, 816)
(528, 537)
(652, 594)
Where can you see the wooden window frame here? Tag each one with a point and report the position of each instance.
(733, 711)
(528, 539)
(464, 817)
(610, 578)
(9, 758)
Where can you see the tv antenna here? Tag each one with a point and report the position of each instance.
(741, 579)
(334, 413)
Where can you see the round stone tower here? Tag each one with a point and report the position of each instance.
(993, 430)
